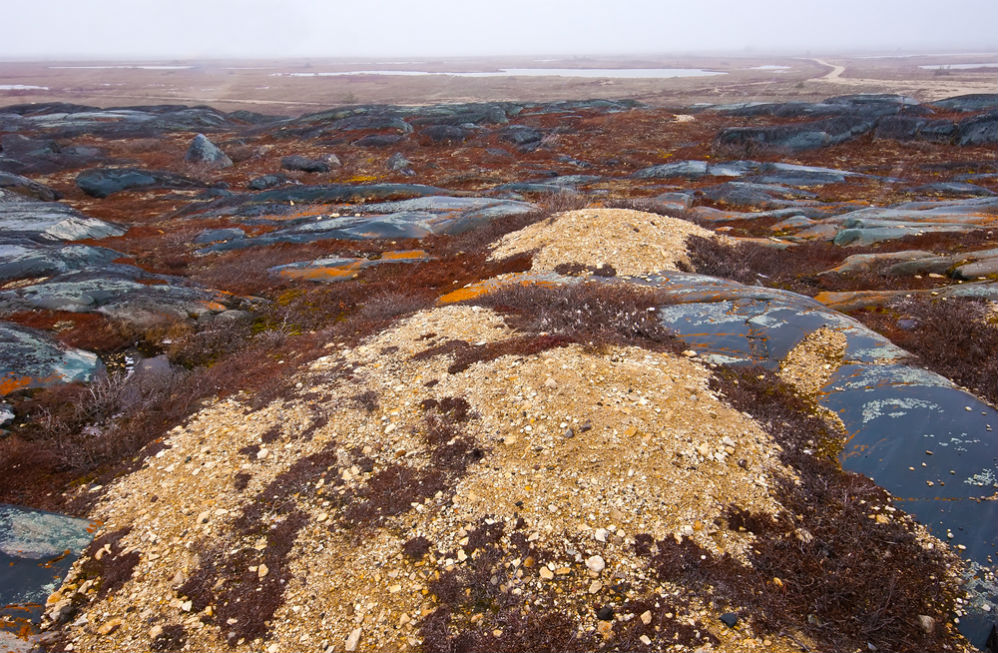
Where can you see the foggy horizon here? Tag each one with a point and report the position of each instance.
(61, 30)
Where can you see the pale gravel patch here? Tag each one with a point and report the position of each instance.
(633, 242)
(809, 366)
(653, 450)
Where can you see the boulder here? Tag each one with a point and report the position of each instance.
(979, 130)
(521, 135)
(102, 182)
(267, 181)
(24, 186)
(203, 151)
(445, 133)
(305, 164)
(398, 163)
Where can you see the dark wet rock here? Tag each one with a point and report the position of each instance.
(413, 218)
(521, 135)
(793, 137)
(23, 186)
(909, 128)
(378, 140)
(968, 103)
(24, 256)
(123, 292)
(361, 122)
(749, 194)
(30, 358)
(980, 130)
(52, 220)
(398, 163)
(218, 235)
(102, 182)
(124, 122)
(37, 549)
(23, 155)
(305, 164)
(267, 181)
(572, 106)
(203, 151)
(445, 133)
(953, 188)
(729, 619)
(605, 613)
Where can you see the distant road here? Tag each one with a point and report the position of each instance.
(834, 74)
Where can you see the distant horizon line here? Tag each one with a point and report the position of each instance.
(740, 53)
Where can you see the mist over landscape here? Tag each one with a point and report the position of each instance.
(541, 326)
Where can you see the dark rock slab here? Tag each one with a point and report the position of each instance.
(264, 182)
(203, 151)
(378, 140)
(123, 292)
(102, 182)
(218, 235)
(413, 218)
(521, 135)
(750, 194)
(30, 358)
(684, 169)
(794, 137)
(63, 120)
(23, 155)
(305, 164)
(445, 133)
(24, 256)
(51, 220)
(23, 186)
(37, 549)
(968, 103)
(954, 188)
(980, 130)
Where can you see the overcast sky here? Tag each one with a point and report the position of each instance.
(101, 29)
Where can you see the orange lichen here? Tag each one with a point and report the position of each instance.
(324, 273)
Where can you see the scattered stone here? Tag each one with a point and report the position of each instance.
(109, 626)
(353, 640)
(595, 587)
(646, 617)
(605, 613)
(203, 151)
(546, 574)
(595, 564)
(729, 619)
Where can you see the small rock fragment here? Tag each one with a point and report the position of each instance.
(646, 617)
(927, 623)
(605, 613)
(109, 626)
(595, 564)
(546, 574)
(353, 640)
(729, 619)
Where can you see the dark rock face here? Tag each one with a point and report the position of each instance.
(981, 130)
(968, 103)
(103, 182)
(218, 235)
(766, 196)
(26, 187)
(266, 181)
(49, 220)
(31, 359)
(35, 256)
(203, 151)
(413, 218)
(305, 164)
(378, 140)
(445, 133)
(521, 136)
(22, 155)
(65, 120)
(804, 136)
